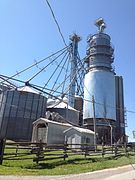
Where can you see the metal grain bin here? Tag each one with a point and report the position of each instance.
(78, 103)
(100, 84)
(100, 78)
(120, 109)
(68, 113)
(18, 110)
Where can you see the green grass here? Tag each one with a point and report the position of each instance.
(72, 165)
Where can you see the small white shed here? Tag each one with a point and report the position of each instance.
(77, 135)
(50, 132)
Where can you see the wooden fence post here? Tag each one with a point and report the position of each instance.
(17, 149)
(116, 150)
(126, 151)
(2, 147)
(65, 151)
(112, 149)
(39, 151)
(86, 150)
(103, 151)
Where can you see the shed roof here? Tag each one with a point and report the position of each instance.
(81, 130)
(52, 122)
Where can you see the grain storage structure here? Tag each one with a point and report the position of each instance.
(18, 109)
(61, 107)
(120, 110)
(99, 84)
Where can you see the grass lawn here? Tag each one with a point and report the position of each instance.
(72, 165)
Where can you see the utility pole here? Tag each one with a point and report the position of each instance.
(94, 123)
(74, 50)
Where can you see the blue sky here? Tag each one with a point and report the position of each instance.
(28, 33)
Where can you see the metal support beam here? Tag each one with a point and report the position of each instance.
(74, 50)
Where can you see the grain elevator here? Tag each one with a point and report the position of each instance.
(101, 109)
(99, 85)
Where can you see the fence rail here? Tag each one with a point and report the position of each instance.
(43, 152)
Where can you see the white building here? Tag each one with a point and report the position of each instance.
(47, 131)
(75, 136)
(52, 132)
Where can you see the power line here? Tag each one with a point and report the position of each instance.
(59, 73)
(66, 74)
(46, 66)
(31, 85)
(55, 70)
(44, 88)
(35, 64)
(77, 71)
(56, 22)
(129, 111)
(67, 79)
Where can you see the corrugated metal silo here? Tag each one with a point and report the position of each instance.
(120, 111)
(68, 113)
(18, 109)
(78, 105)
(99, 84)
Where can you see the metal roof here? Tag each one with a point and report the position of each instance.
(81, 130)
(27, 89)
(57, 104)
(52, 122)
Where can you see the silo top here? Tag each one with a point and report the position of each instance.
(99, 39)
(100, 52)
(27, 89)
(57, 103)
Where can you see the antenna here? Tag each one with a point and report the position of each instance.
(100, 24)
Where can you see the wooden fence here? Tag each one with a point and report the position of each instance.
(43, 152)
